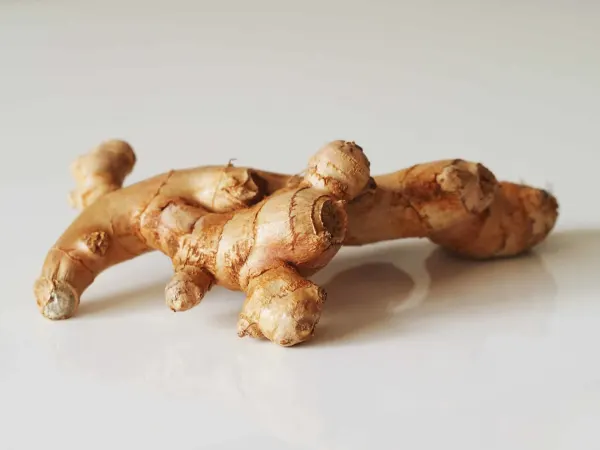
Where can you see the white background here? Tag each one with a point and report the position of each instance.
(415, 350)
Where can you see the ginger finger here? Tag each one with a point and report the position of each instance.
(101, 171)
(457, 205)
(519, 218)
(419, 201)
(282, 306)
(164, 221)
(187, 287)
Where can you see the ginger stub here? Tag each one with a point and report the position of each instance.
(263, 233)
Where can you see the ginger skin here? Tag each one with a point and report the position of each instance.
(263, 233)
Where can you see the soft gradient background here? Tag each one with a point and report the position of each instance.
(416, 350)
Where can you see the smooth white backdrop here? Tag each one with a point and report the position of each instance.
(416, 350)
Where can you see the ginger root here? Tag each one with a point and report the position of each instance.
(263, 233)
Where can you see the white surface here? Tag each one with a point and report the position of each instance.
(415, 350)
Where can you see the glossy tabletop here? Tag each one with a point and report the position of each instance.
(415, 349)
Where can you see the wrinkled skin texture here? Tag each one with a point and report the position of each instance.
(264, 233)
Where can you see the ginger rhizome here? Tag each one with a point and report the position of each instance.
(263, 233)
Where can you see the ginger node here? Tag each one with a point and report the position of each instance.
(97, 242)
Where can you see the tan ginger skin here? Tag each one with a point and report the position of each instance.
(263, 233)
